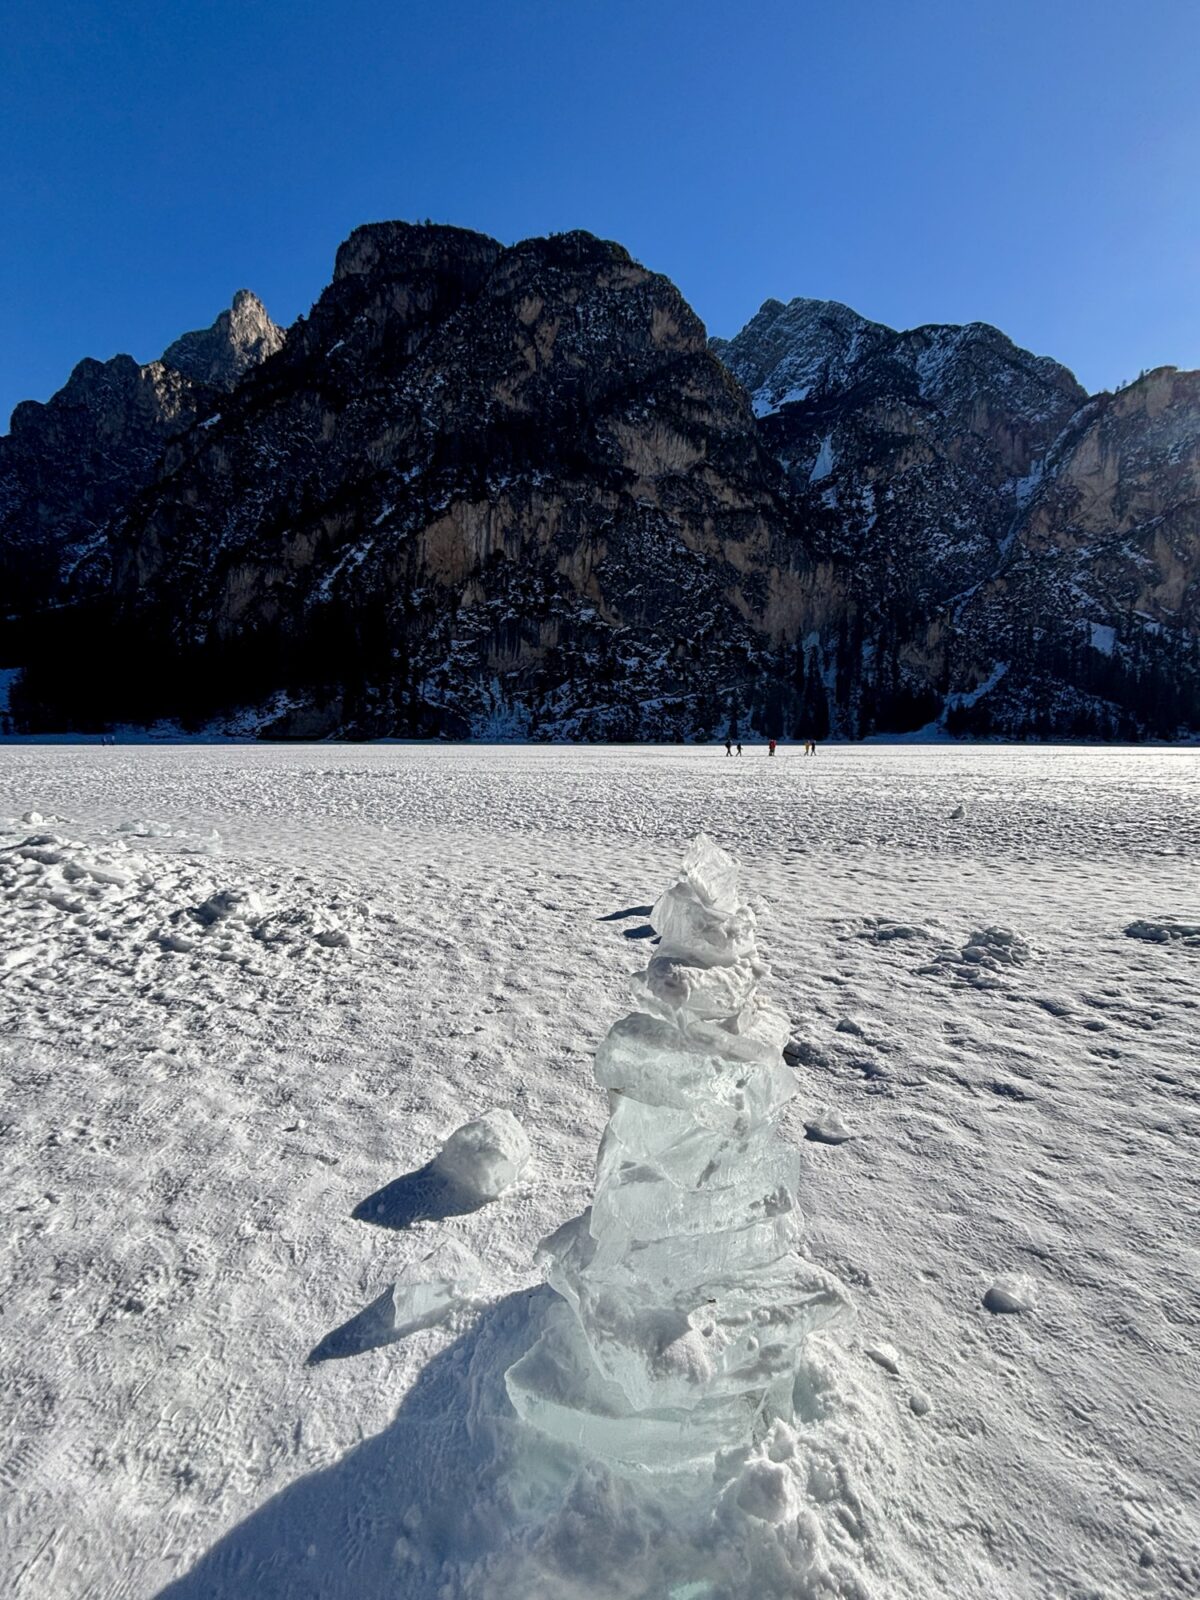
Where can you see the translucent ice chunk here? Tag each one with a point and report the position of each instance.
(718, 1080)
(446, 1278)
(687, 1152)
(712, 873)
(734, 1333)
(642, 1199)
(558, 1389)
(668, 986)
(692, 930)
(685, 1299)
(437, 1281)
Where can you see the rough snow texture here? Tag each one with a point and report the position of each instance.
(187, 1134)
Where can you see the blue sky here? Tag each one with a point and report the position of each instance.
(1031, 165)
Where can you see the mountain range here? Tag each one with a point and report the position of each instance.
(517, 492)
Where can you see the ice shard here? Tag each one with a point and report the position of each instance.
(685, 1299)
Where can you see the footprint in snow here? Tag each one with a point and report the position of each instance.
(885, 1356)
(827, 1129)
(1010, 1293)
(995, 948)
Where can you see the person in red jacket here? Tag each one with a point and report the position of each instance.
(771, 748)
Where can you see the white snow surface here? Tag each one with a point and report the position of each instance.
(246, 993)
(824, 464)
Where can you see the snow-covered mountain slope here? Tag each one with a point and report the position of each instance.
(1012, 556)
(799, 351)
(249, 992)
(809, 350)
(917, 443)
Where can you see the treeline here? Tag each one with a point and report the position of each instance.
(375, 667)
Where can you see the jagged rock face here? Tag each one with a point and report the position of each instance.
(241, 338)
(1101, 592)
(1120, 495)
(512, 487)
(1008, 556)
(514, 492)
(918, 443)
(803, 350)
(70, 466)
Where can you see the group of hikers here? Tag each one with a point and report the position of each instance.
(810, 747)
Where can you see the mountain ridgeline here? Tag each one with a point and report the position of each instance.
(489, 492)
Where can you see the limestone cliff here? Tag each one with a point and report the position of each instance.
(515, 492)
(69, 467)
(479, 490)
(1095, 613)
(241, 338)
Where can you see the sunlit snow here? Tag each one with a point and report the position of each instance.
(255, 1338)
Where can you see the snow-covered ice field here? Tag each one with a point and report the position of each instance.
(247, 992)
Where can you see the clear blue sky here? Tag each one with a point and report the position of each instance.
(1035, 165)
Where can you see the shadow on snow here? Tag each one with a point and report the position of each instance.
(420, 1196)
(381, 1522)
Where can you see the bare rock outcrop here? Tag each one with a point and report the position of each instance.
(71, 466)
(240, 339)
(482, 491)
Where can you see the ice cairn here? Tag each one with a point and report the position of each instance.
(684, 1299)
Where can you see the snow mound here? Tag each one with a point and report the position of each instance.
(485, 1157)
(883, 930)
(145, 905)
(988, 956)
(1168, 930)
(995, 948)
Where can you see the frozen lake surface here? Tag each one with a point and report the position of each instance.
(246, 991)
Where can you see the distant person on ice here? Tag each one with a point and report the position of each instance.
(771, 748)
(729, 747)
(739, 747)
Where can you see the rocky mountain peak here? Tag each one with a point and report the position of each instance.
(240, 338)
(794, 352)
(976, 357)
(70, 465)
(396, 249)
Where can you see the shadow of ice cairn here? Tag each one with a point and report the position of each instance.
(685, 1300)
